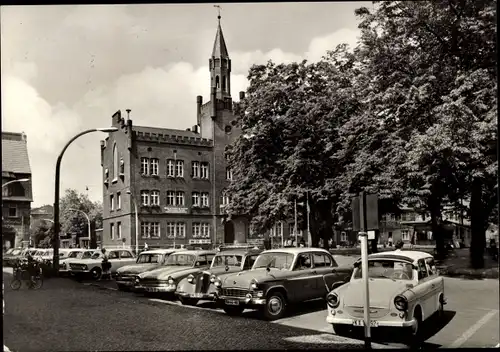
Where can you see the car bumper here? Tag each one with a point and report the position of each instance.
(202, 296)
(245, 301)
(159, 289)
(379, 323)
(128, 283)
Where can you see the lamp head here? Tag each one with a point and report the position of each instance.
(107, 129)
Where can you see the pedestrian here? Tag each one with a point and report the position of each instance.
(389, 240)
(145, 246)
(412, 241)
(302, 242)
(399, 245)
(105, 265)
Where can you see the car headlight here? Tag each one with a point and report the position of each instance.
(401, 303)
(218, 283)
(137, 280)
(190, 278)
(170, 281)
(212, 278)
(253, 284)
(332, 299)
(85, 267)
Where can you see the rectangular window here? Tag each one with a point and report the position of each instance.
(272, 231)
(144, 166)
(119, 230)
(179, 198)
(291, 230)
(196, 230)
(111, 202)
(204, 171)
(12, 212)
(155, 198)
(196, 199)
(155, 229)
(170, 198)
(405, 235)
(170, 168)
(145, 198)
(343, 236)
(171, 230)
(180, 230)
(122, 167)
(179, 168)
(195, 165)
(205, 230)
(155, 164)
(224, 200)
(229, 174)
(279, 229)
(118, 200)
(145, 230)
(204, 199)
(112, 230)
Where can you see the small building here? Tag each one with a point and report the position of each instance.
(16, 190)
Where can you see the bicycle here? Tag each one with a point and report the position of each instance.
(22, 274)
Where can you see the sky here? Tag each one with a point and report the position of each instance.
(67, 68)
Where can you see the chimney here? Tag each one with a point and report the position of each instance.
(195, 129)
(242, 95)
(117, 116)
(188, 129)
(128, 113)
(129, 123)
(102, 144)
(24, 137)
(214, 102)
(199, 102)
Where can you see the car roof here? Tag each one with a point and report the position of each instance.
(297, 250)
(194, 251)
(160, 251)
(401, 255)
(240, 251)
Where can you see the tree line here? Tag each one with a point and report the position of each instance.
(410, 114)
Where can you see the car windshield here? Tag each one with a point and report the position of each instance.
(229, 260)
(149, 258)
(386, 269)
(274, 260)
(84, 255)
(181, 259)
(73, 254)
(96, 255)
(15, 252)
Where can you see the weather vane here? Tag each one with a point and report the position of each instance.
(218, 9)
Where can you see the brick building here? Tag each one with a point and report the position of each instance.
(16, 196)
(176, 178)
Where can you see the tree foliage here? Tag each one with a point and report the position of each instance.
(73, 207)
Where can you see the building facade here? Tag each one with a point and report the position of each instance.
(16, 196)
(173, 180)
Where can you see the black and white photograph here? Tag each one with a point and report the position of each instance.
(250, 176)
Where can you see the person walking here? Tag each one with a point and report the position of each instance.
(105, 265)
(399, 246)
(412, 241)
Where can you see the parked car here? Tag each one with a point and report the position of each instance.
(280, 277)
(148, 260)
(200, 285)
(405, 290)
(74, 255)
(178, 266)
(92, 266)
(10, 257)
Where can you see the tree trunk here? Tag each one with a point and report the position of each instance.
(435, 212)
(478, 235)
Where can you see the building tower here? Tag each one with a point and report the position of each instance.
(220, 66)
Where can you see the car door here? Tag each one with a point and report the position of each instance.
(330, 271)
(303, 282)
(126, 258)
(437, 284)
(114, 259)
(423, 289)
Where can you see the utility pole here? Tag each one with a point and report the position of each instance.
(295, 225)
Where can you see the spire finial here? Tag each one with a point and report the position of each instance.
(218, 11)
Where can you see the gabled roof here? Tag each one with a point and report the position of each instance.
(169, 131)
(15, 153)
(220, 49)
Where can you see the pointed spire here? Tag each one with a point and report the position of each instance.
(220, 49)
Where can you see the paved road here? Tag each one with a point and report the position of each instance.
(66, 315)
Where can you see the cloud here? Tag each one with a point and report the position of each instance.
(162, 96)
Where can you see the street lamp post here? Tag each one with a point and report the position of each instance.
(88, 222)
(14, 181)
(55, 261)
(136, 223)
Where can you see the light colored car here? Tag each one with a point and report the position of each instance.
(280, 277)
(146, 261)
(73, 255)
(200, 285)
(92, 266)
(405, 289)
(178, 266)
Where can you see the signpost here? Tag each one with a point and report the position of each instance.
(365, 220)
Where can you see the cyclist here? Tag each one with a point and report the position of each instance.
(32, 268)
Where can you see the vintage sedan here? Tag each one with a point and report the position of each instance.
(148, 260)
(405, 289)
(74, 255)
(178, 266)
(200, 286)
(92, 266)
(279, 277)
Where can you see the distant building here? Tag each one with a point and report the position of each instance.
(42, 213)
(16, 196)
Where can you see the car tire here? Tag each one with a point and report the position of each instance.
(233, 310)
(415, 333)
(440, 311)
(96, 273)
(123, 288)
(341, 329)
(275, 307)
(187, 301)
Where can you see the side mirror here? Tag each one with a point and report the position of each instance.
(334, 271)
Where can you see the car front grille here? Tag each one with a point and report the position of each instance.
(375, 312)
(126, 277)
(237, 292)
(78, 266)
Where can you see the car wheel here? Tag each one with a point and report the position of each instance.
(415, 332)
(96, 273)
(440, 311)
(187, 301)
(341, 329)
(233, 310)
(123, 288)
(275, 306)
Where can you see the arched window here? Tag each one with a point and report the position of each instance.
(116, 162)
(223, 83)
(217, 83)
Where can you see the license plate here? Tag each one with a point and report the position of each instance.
(197, 295)
(152, 289)
(232, 302)
(373, 323)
